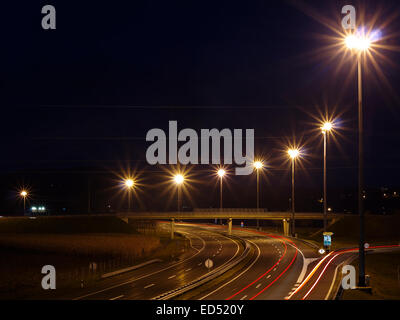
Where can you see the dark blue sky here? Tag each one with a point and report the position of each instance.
(86, 94)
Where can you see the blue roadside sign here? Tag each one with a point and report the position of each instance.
(327, 240)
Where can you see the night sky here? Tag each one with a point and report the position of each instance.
(82, 97)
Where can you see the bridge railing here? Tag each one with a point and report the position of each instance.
(239, 214)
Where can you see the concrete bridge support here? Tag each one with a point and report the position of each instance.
(172, 228)
(230, 226)
(126, 220)
(286, 227)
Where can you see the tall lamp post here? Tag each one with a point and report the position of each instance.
(325, 129)
(258, 165)
(129, 184)
(24, 194)
(221, 173)
(359, 44)
(293, 154)
(179, 179)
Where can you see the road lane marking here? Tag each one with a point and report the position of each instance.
(268, 276)
(259, 285)
(150, 285)
(310, 274)
(115, 298)
(188, 269)
(306, 262)
(265, 273)
(334, 276)
(240, 274)
(244, 297)
(146, 275)
(322, 272)
(226, 262)
(283, 272)
(172, 276)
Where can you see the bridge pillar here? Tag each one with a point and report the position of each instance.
(172, 228)
(229, 226)
(126, 220)
(285, 227)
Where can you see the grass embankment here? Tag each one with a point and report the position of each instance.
(378, 230)
(384, 270)
(80, 248)
(65, 225)
(90, 245)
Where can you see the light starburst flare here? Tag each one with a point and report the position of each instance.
(293, 153)
(179, 179)
(221, 173)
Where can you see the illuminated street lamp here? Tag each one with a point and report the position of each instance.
(221, 173)
(293, 155)
(359, 44)
(24, 194)
(325, 129)
(179, 179)
(258, 165)
(129, 185)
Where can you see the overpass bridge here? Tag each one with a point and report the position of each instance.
(229, 215)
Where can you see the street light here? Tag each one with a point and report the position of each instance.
(258, 165)
(24, 194)
(129, 184)
(359, 43)
(179, 179)
(293, 155)
(325, 129)
(221, 173)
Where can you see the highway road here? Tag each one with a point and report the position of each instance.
(278, 264)
(158, 278)
(278, 268)
(323, 279)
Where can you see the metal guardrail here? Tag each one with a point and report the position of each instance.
(205, 278)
